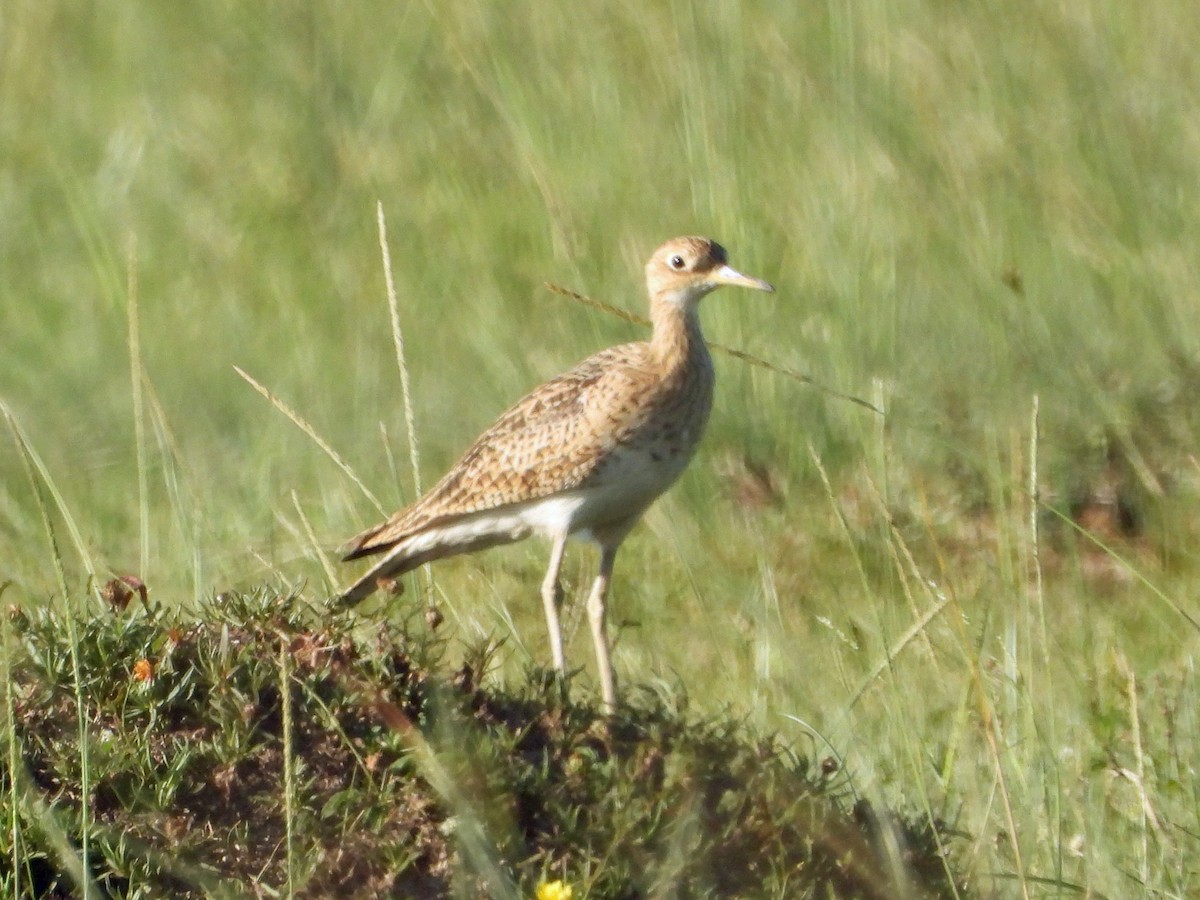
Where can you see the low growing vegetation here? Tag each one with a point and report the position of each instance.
(244, 751)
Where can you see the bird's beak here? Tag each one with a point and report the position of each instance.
(730, 276)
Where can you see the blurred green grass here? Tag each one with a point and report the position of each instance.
(961, 207)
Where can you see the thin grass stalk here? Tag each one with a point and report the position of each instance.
(989, 727)
(139, 423)
(31, 458)
(1046, 699)
(313, 544)
(897, 647)
(742, 355)
(906, 572)
(85, 773)
(921, 621)
(393, 467)
(289, 764)
(47, 818)
(414, 451)
(478, 850)
(903, 560)
(10, 737)
(1149, 821)
(1035, 542)
(410, 425)
(78, 867)
(177, 479)
(1135, 723)
(881, 445)
(1128, 566)
(303, 425)
(847, 532)
(989, 732)
(897, 548)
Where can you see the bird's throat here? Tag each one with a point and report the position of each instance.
(676, 341)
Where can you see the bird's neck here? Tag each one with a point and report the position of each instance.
(676, 341)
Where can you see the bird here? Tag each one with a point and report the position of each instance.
(583, 456)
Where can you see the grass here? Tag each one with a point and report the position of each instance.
(966, 211)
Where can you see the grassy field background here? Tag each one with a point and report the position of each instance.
(963, 208)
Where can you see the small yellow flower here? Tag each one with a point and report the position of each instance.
(143, 670)
(554, 890)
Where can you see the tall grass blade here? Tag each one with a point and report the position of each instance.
(897, 647)
(477, 849)
(68, 859)
(414, 451)
(13, 756)
(179, 483)
(1125, 564)
(314, 545)
(410, 426)
(47, 819)
(300, 423)
(33, 461)
(136, 376)
(289, 764)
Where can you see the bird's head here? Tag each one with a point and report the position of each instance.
(684, 269)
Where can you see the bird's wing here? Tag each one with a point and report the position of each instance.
(550, 441)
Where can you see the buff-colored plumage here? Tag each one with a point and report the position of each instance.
(585, 453)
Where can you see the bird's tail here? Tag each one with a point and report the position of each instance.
(415, 550)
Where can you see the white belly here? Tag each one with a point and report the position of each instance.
(632, 479)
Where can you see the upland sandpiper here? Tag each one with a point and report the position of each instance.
(584, 454)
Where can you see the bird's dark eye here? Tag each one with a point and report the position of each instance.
(675, 262)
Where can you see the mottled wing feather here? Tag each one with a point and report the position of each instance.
(555, 439)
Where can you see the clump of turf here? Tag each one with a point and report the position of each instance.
(384, 774)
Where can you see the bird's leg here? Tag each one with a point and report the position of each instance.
(596, 610)
(551, 598)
